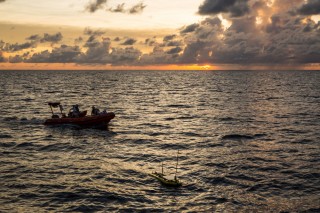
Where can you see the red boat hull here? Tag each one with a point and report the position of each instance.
(93, 120)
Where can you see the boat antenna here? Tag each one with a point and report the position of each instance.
(175, 176)
(162, 167)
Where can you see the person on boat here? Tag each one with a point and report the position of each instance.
(104, 111)
(75, 111)
(95, 111)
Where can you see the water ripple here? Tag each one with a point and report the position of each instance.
(247, 142)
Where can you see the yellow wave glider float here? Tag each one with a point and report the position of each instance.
(166, 181)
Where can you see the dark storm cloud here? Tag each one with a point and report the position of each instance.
(312, 7)
(98, 53)
(190, 28)
(95, 5)
(206, 29)
(286, 39)
(62, 54)
(158, 56)
(54, 38)
(265, 35)
(129, 41)
(102, 53)
(236, 8)
(138, 8)
(174, 50)
(193, 51)
(126, 56)
(169, 42)
(246, 25)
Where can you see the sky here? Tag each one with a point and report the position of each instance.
(161, 35)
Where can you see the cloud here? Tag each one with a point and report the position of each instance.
(138, 8)
(62, 54)
(270, 32)
(94, 35)
(235, 8)
(2, 58)
(91, 42)
(97, 53)
(32, 43)
(34, 37)
(174, 50)
(168, 41)
(312, 7)
(169, 37)
(158, 56)
(18, 47)
(95, 5)
(54, 38)
(89, 31)
(2, 45)
(151, 42)
(135, 9)
(190, 28)
(16, 59)
(78, 40)
(126, 56)
(173, 43)
(102, 53)
(129, 41)
(119, 9)
(286, 39)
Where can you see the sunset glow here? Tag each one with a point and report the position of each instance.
(148, 35)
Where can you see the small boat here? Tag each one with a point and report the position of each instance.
(81, 118)
(166, 181)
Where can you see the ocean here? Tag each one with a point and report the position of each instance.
(247, 141)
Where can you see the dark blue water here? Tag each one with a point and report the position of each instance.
(247, 141)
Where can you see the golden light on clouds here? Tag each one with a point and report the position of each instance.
(195, 34)
(258, 20)
(225, 22)
(316, 18)
(270, 3)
